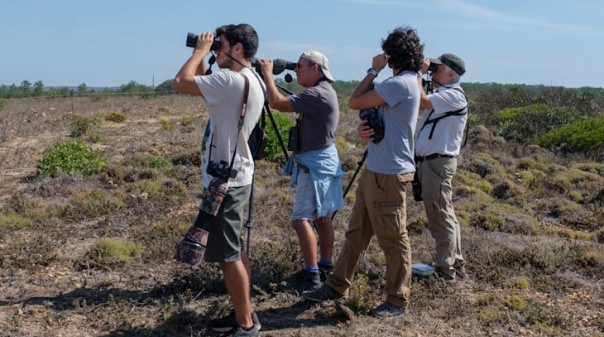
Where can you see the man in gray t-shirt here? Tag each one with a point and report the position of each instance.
(315, 164)
(379, 207)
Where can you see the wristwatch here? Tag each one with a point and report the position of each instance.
(372, 72)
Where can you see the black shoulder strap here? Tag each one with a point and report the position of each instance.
(459, 112)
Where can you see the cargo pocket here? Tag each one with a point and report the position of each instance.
(389, 219)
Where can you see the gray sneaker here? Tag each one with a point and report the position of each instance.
(241, 332)
(226, 323)
(387, 309)
(324, 293)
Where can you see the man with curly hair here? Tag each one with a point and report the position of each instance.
(380, 205)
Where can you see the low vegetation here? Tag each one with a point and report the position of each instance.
(92, 210)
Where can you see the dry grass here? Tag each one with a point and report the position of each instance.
(92, 256)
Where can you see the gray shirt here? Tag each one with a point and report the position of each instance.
(394, 154)
(320, 113)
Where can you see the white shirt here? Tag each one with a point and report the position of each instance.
(223, 93)
(448, 132)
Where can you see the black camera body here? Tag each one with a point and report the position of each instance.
(192, 41)
(293, 141)
(374, 121)
(432, 68)
(417, 188)
(220, 170)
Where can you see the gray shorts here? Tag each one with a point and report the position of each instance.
(224, 238)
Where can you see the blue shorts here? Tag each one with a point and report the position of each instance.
(305, 204)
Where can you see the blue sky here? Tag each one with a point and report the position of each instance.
(112, 42)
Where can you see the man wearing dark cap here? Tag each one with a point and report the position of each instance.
(438, 141)
(314, 164)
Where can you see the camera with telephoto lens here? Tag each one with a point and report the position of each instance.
(192, 41)
(374, 121)
(220, 170)
(432, 68)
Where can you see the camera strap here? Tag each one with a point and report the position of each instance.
(246, 91)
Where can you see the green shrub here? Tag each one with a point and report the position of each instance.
(525, 123)
(585, 136)
(187, 120)
(535, 313)
(166, 125)
(110, 253)
(81, 125)
(13, 221)
(2, 104)
(489, 221)
(515, 302)
(71, 157)
(115, 117)
(273, 147)
(91, 204)
(145, 160)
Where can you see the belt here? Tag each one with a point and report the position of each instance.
(432, 156)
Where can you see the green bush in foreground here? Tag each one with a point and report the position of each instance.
(71, 157)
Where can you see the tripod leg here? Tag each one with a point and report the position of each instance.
(360, 164)
(267, 109)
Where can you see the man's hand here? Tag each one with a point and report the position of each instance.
(266, 66)
(204, 43)
(425, 66)
(364, 131)
(380, 61)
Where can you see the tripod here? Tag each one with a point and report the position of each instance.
(359, 165)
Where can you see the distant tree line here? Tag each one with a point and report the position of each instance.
(343, 88)
(27, 89)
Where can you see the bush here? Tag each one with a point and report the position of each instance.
(525, 123)
(110, 253)
(71, 157)
(92, 204)
(166, 125)
(273, 147)
(148, 161)
(585, 136)
(13, 221)
(115, 117)
(80, 125)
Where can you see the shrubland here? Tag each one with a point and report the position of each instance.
(97, 191)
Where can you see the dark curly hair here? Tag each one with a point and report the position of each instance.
(405, 50)
(241, 33)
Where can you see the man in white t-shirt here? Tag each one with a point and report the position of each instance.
(439, 139)
(225, 150)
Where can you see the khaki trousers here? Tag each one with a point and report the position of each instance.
(380, 210)
(436, 176)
